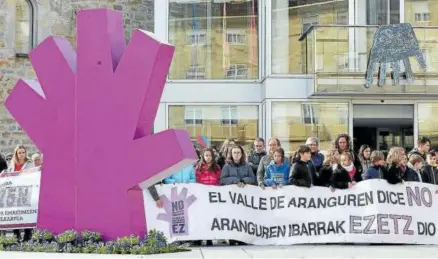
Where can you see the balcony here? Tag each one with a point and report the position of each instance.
(337, 57)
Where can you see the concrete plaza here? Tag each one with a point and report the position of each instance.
(297, 251)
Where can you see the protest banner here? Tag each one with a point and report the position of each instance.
(373, 211)
(19, 193)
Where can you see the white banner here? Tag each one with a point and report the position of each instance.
(371, 212)
(19, 193)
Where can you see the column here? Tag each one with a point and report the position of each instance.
(362, 43)
(280, 37)
(161, 16)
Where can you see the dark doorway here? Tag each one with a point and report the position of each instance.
(364, 136)
(383, 126)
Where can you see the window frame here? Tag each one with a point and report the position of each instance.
(310, 114)
(235, 35)
(193, 110)
(168, 24)
(32, 30)
(235, 68)
(230, 110)
(421, 17)
(194, 74)
(198, 34)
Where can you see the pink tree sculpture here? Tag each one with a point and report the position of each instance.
(91, 114)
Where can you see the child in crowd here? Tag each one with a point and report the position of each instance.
(207, 170)
(344, 174)
(430, 170)
(413, 170)
(300, 174)
(208, 173)
(326, 172)
(377, 168)
(277, 172)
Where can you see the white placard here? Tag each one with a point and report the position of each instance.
(373, 211)
(19, 193)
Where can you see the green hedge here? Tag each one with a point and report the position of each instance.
(91, 243)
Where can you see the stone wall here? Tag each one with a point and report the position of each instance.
(52, 17)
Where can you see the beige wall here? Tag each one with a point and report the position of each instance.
(427, 121)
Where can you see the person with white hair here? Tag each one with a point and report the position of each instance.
(37, 160)
(317, 157)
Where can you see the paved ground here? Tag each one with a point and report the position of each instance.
(299, 251)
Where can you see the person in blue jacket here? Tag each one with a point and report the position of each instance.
(186, 175)
(277, 172)
(377, 169)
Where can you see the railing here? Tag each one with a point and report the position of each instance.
(337, 56)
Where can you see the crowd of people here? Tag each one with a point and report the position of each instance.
(19, 161)
(340, 168)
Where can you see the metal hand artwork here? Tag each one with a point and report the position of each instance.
(91, 115)
(177, 211)
(392, 44)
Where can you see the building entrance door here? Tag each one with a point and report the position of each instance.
(383, 126)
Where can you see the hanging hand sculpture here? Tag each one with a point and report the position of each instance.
(393, 43)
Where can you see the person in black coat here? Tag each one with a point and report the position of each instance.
(326, 171)
(394, 174)
(3, 164)
(396, 161)
(300, 175)
(340, 178)
(345, 174)
(413, 170)
(429, 172)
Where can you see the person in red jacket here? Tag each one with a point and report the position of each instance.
(208, 171)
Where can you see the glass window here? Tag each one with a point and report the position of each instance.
(427, 124)
(290, 18)
(214, 34)
(421, 12)
(192, 115)
(23, 27)
(196, 72)
(294, 122)
(236, 37)
(237, 71)
(229, 115)
(381, 12)
(342, 17)
(217, 122)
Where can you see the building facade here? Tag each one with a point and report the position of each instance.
(248, 68)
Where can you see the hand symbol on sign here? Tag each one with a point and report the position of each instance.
(177, 211)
